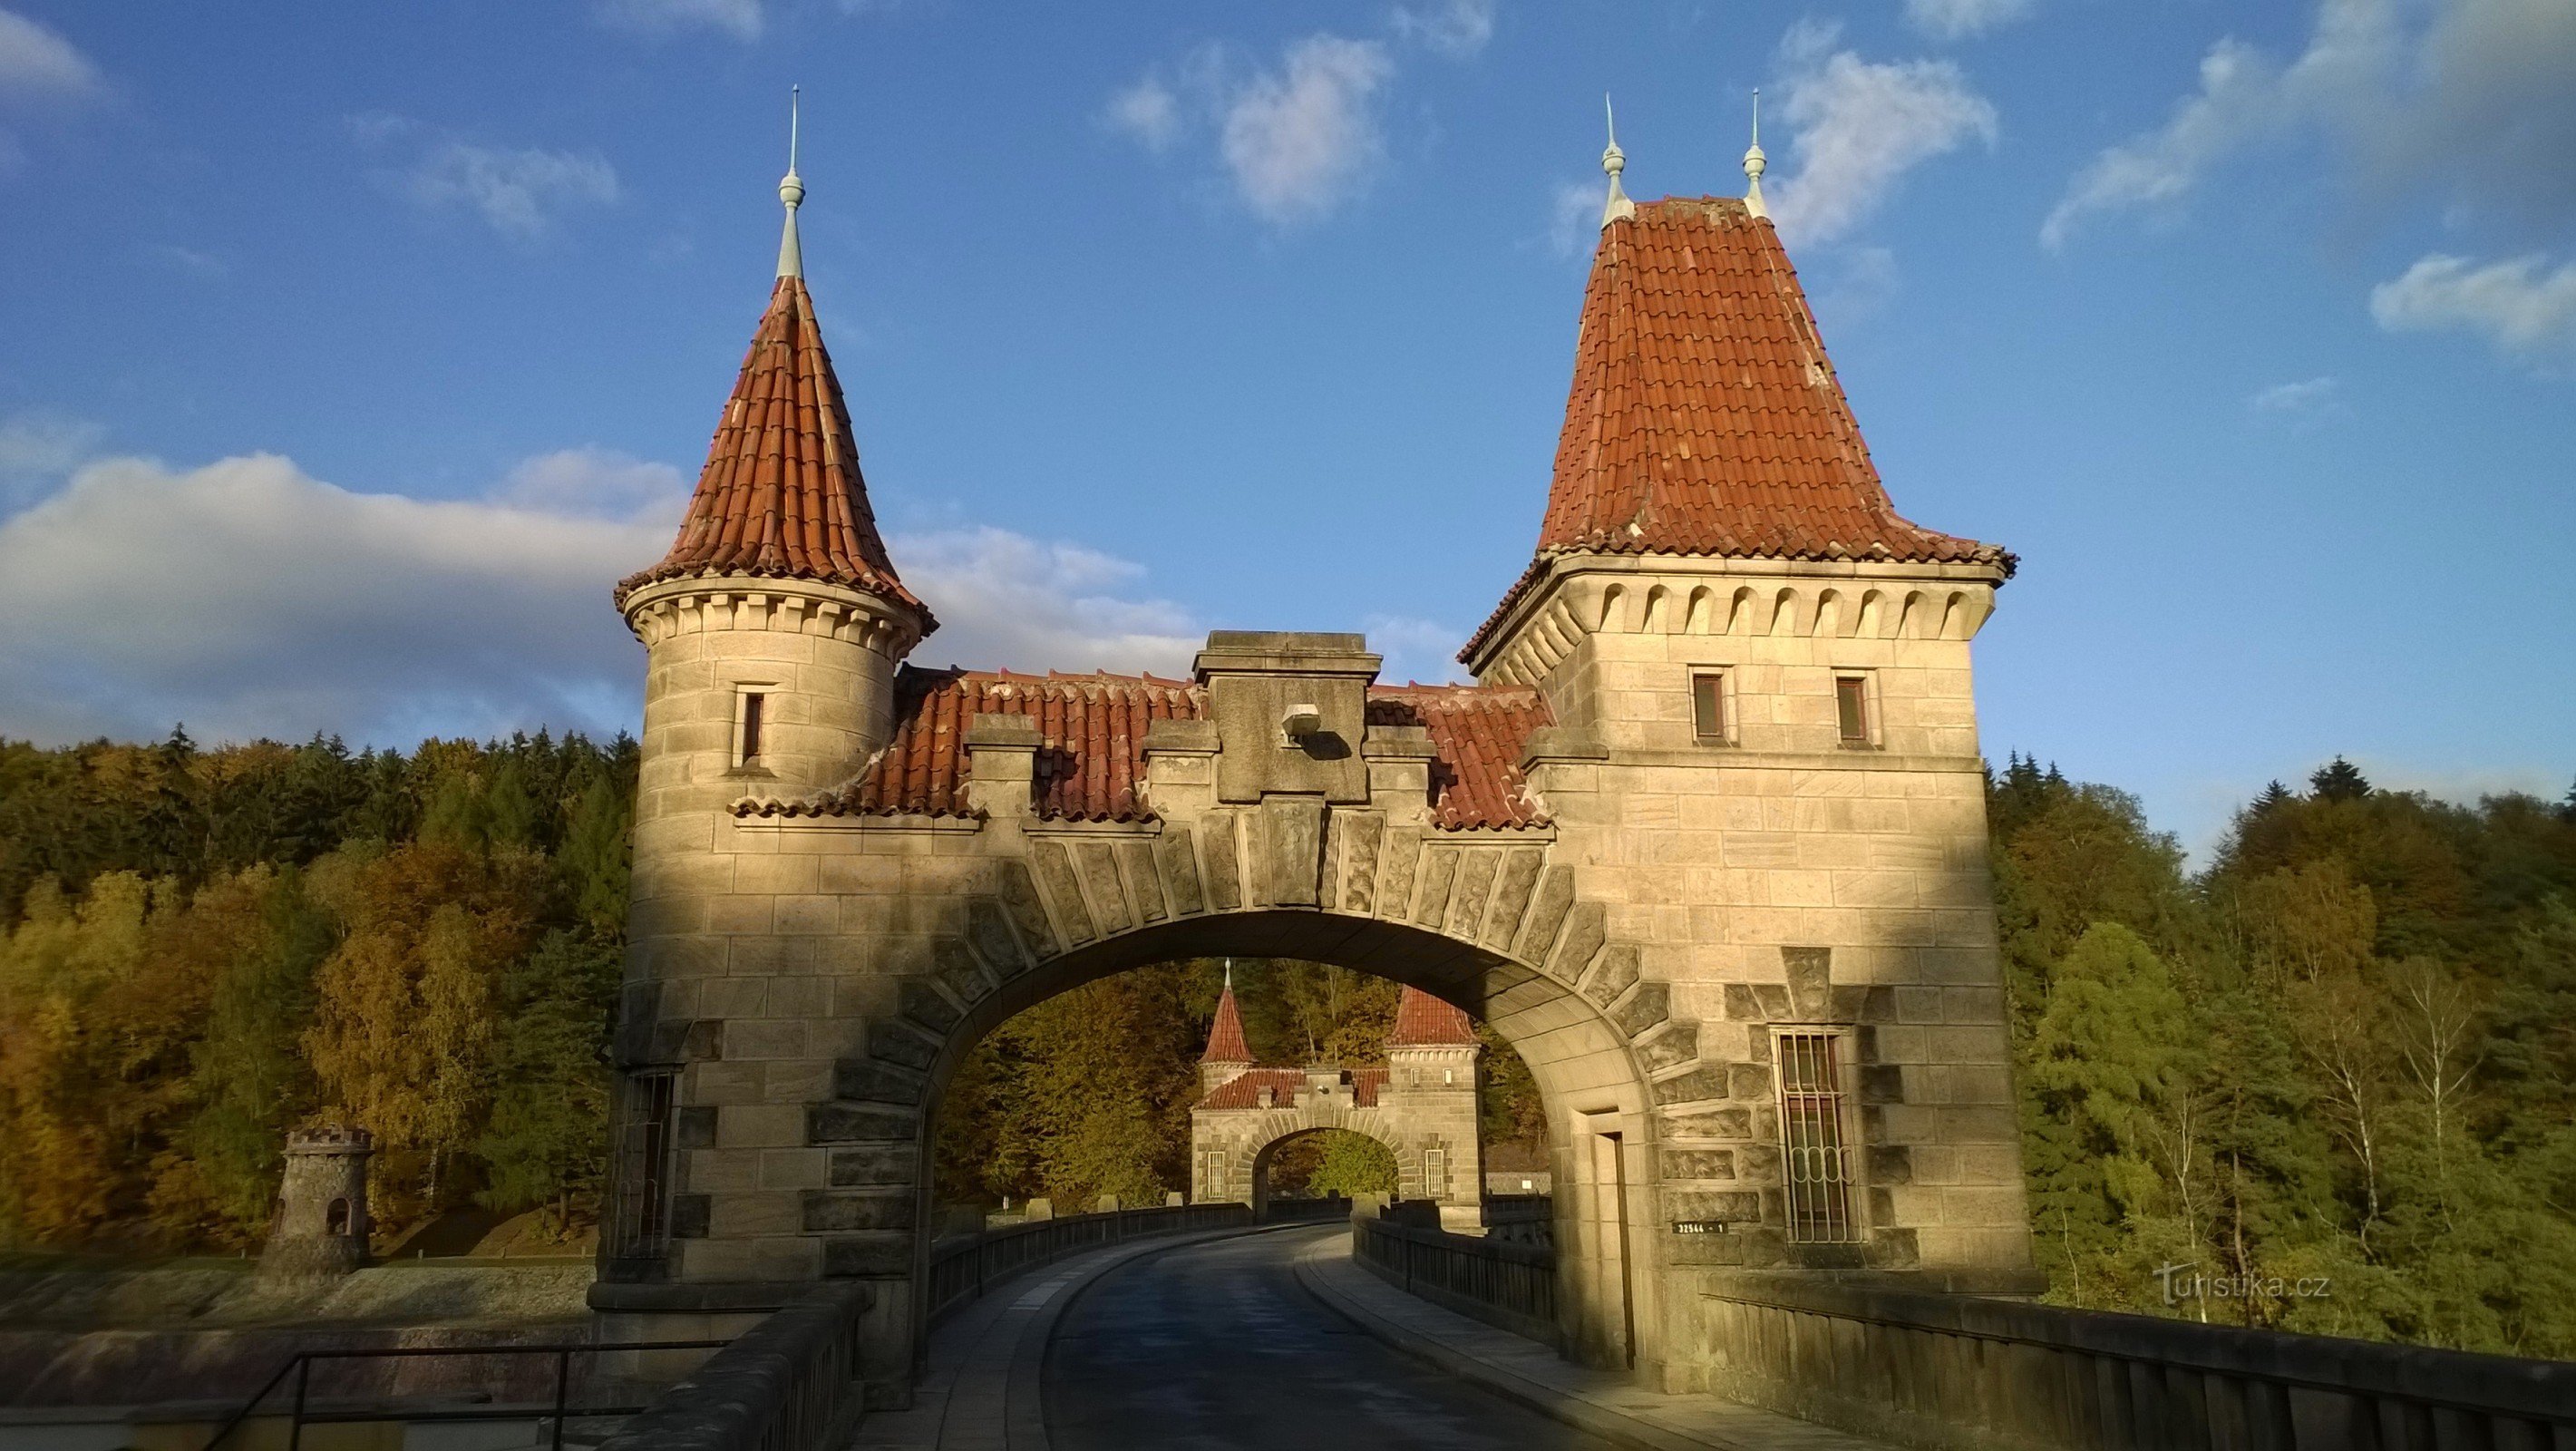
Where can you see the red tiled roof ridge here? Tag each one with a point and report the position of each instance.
(1090, 764)
(782, 495)
(1244, 1089)
(1704, 417)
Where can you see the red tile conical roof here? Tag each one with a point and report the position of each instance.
(1705, 418)
(1423, 1021)
(1225, 1035)
(781, 496)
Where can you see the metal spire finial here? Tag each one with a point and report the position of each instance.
(1229, 974)
(1614, 161)
(1755, 163)
(791, 190)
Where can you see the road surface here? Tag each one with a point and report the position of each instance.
(1216, 1346)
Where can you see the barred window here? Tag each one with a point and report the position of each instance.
(642, 1224)
(1815, 1157)
(1435, 1173)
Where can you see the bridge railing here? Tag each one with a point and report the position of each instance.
(1528, 1220)
(963, 1266)
(1962, 1372)
(789, 1383)
(1506, 1285)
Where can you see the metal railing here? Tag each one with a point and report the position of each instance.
(1509, 1286)
(789, 1383)
(963, 1267)
(1966, 1372)
(302, 1411)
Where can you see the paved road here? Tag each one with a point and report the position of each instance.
(1217, 1346)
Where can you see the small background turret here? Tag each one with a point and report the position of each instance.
(322, 1224)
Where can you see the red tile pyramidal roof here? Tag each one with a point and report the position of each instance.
(1423, 1021)
(1225, 1036)
(1705, 418)
(781, 496)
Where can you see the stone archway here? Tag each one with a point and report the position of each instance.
(1591, 1074)
(1252, 1160)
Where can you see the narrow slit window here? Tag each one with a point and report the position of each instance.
(643, 1222)
(1814, 1154)
(1708, 707)
(1851, 708)
(753, 709)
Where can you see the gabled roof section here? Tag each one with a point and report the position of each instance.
(1704, 417)
(1226, 1042)
(1423, 1021)
(1091, 745)
(1244, 1089)
(781, 496)
(1478, 732)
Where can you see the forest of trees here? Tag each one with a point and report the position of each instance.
(2327, 1082)
(2334, 1072)
(204, 949)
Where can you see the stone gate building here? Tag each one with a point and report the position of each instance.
(1421, 1106)
(1705, 844)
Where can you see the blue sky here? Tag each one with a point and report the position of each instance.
(348, 354)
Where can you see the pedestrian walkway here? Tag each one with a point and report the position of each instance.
(1603, 1403)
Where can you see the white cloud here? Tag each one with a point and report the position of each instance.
(1296, 140)
(740, 19)
(2300, 397)
(1857, 128)
(1457, 28)
(38, 66)
(37, 449)
(1957, 19)
(1006, 600)
(1574, 217)
(1301, 139)
(2473, 100)
(1149, 112)
(595, 482)
(2515, 304)
(40, 73)
(248, 598)
(520, 193)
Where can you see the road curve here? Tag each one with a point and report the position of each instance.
(1216, 1345)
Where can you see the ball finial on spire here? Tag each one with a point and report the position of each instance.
(1614, 161)
(1755, 163)
(791, 190)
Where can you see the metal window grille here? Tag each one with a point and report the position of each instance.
(1851, 708)
(643, 1219)
(1815, 1157)
(1708, 707)
(1435, 1173)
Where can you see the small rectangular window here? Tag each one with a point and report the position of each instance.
(642, 1225)
(1814, 1156)
(1851, 708)
(1708, 707)
(1435, 1173)
(753, 704)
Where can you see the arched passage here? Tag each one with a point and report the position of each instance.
(1599, 1124)
(1257, 1162)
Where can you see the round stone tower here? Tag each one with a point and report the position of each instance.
(773, 630)
(321, 1226)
